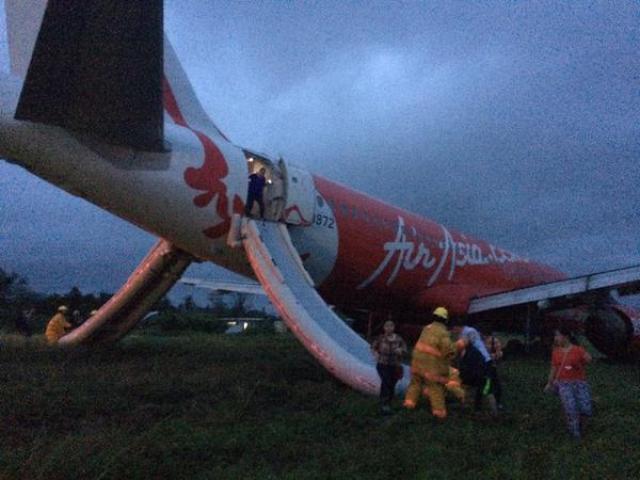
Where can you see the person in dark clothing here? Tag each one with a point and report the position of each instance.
(494, 347)
(256, 187)
(473, 372)
(23, 322)
(388, 349)
(475, 366)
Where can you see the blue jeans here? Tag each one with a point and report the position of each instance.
(388, 380)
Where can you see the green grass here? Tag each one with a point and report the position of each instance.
(260, 407)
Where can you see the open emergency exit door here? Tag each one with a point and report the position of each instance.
(299, 207)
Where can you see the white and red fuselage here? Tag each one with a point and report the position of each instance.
(362, 253)
(358, 250)
(151, 155)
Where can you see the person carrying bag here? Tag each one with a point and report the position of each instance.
(567, 378)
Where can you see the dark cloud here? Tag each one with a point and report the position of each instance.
(518, 122)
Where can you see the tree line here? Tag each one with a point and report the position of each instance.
(17, 297)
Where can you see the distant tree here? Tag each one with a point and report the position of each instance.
(6, 282)
(51, 303)
(257, 312)
(14, 288)
(74, 296)
(188, 304)
(163, 305)
(238, 308)
(15, 296)
(217, 304)
(103, 297)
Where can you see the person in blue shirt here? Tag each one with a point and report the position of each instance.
(475, 365)
(256, 187)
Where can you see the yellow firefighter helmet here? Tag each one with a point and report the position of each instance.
(442, 313)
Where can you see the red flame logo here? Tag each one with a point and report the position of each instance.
(207, 178)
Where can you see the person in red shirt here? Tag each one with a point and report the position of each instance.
(568, 378)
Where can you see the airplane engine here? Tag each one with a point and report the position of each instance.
(611, 331)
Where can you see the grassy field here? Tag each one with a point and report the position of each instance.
(259, 406)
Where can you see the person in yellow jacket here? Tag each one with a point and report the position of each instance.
(57, 326)
(430, 366)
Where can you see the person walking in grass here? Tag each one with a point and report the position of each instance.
(494, 347)
(388, 349)
(568, 379)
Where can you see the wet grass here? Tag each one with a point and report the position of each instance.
(260, 407)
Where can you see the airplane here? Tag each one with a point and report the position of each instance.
(101, 107)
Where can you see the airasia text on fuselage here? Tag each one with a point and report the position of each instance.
(448, 256)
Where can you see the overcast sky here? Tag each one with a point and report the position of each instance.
(515, 122)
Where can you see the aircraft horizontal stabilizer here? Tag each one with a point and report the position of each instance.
(251, 288)
(97, 67)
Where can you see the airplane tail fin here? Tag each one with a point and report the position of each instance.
(180, 101)
(100, 67)
(97, 67)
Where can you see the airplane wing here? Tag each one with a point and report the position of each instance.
(565, 293)
(613, 328)
(253, 288)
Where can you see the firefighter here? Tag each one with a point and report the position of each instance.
(430, 368)
(57, 326)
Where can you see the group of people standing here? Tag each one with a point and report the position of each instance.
(441, 366)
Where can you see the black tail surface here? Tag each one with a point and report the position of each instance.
(97, 67)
